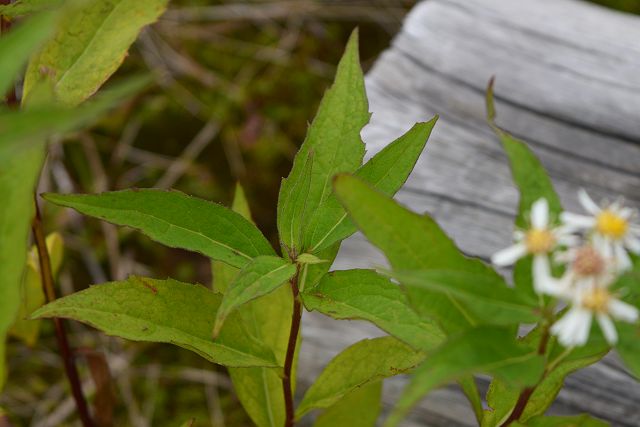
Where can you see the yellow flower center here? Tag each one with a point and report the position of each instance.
(539, 241)
(597, 300)
(611, 224)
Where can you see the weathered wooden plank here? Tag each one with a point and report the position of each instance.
(568, 82)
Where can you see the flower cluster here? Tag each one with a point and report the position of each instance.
(594, 250)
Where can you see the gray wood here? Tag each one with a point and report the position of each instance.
(568, 82)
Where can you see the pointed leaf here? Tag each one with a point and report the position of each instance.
(91, 42)
(143, 309)
(488, 298)
(176, 220)
(334, 139)
(269, 320)
(17, 45)
(362, 363)
(263, 275)
(410, 241)
(387, 171)
(359, 408)
(489, 350)
(533, 183)
(363, 294)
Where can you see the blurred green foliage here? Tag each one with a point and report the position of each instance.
(632, 6)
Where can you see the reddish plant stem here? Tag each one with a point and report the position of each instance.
(526, 394)
(68, 359)
(287, 388)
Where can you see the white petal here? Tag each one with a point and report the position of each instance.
(568, 240)
(587, 202)
(608, 329)
(623, 311)
(576, 222)
(623, 262)
(541, 273)
(603, 246)
(540, 213)
(633, 244)
(626, 213)
(509, 255)
(573, 329)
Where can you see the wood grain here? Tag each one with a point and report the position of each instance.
(567, 82)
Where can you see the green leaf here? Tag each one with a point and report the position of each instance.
(222, 273)
(263, 275)
(260, 389)
(90, 44)
(533, 183)
(334, 141)
(583, 420)
(486, 349)
(359, 408)
(363, 294)
(502, 398)
(188, 423)
(23, 130)
(310, 259)
(471, 392)
(176, 220)
(628, 346)
(33, 296)
(269, 320)
(17, 45)
(25, 7)
(364, 362)
(488, 298)
(411, 241)
(387, 171)
(168, 311)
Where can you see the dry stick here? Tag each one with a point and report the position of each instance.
(291, 350)
(46, 276)
(526, 394)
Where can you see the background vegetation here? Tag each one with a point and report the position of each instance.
(237, 82)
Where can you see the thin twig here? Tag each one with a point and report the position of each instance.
(46, 276)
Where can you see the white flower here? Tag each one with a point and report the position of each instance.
(611, 226)
(588, 301)
(586, 267)
(539, 240)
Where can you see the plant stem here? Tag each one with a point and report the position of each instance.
(46, 276)
(526, 394)
(296, 316)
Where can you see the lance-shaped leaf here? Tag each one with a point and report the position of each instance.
(168, 311)
(486, 349)
(488, 298)
(269, 320)
(90, 43)
(176, 220)
(359, 408)
(17, 45)
(362, 363)
(24, 130)
(334, 139)
(533, 183)
(263, 275)
(387, 171)
(411, 241)
(364, 294)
